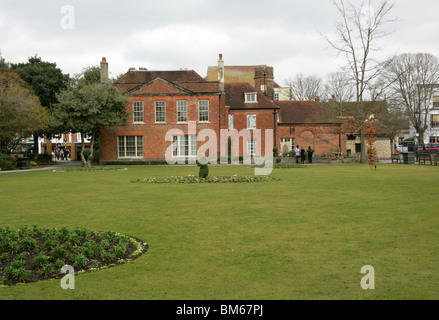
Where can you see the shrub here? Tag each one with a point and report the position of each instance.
(21, 257)
(95, 263)
(80, 261)
(7, 162)
(28, 244)
(47, 270)
(44, 158)
(9, 245)
(107, 257)
(58, 253)
(4, 257)
(91, 249)
(40, 261)
(50, 243)
(119, 250)
(17, 271)
(278, 160)
(204, 171)
(105, 244)
(59, 264)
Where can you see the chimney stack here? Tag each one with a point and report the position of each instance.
(221, 72)
(104, 70)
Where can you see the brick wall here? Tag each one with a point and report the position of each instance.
(264, 120)
(324, 139)
(154, 134)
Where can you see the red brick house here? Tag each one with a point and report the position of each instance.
(161, 101)
(229, 101)
(173, 100)
(250, 109)
(307, 124)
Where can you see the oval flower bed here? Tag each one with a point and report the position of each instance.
(34, 254)
(209, 179)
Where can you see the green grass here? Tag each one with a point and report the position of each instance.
(306, 236)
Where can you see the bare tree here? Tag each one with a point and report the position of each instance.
(413, 80)
(305, 87)
(390, 123)
(340, 87)
(357, 35)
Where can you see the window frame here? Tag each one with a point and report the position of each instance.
(203, 112)
(252, 148)
(184, 146)
(232, 118)
(137, 112)
(138, 147)
(247, 95)
(157, 104)
(180, 112)
(248, 122)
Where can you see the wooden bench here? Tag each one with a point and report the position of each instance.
(425, 157)
(396, 157)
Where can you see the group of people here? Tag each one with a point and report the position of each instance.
(300, 154)
(60, 153)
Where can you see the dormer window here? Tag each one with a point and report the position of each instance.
(251, 97)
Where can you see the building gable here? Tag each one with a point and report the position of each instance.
(159, 86)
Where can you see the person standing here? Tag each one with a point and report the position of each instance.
(302, 155)
(310, 153)
(297, 150)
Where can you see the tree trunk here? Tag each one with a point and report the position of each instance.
(363, 155)
(90, 157)
(84, 162)
(35, 147)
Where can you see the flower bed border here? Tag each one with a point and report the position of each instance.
(210, 179)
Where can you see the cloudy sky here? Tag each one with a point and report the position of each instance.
(174, 34)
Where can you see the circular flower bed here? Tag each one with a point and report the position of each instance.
(34, 254)
(209, 179)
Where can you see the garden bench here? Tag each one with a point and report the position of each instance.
(396, 157)
(425, 157)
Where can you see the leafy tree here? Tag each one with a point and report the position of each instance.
(20, 110)
(86, 107)
(46, 80)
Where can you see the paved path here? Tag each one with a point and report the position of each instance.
(59, 164)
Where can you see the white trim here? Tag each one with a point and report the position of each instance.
(137, 147)
(208, 111)
(253, 94)
(250, 127)
(142, 112)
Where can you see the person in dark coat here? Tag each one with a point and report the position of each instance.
(310, 153)
(302, 155)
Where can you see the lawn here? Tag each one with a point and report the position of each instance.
(306, 236)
